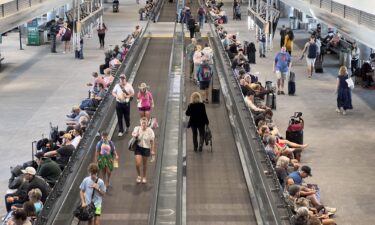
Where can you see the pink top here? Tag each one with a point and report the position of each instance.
(99, 80)
(145, 98)
(108, 80)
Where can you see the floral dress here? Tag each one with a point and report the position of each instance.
(105, 156)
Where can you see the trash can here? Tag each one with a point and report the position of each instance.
(43, 37)
(293, 23)
(345, 57)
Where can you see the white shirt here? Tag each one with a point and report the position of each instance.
(76, 141)
(208, 54)
(118, 91)
(145, 136)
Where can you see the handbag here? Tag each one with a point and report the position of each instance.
(350, 83)
(132, 144)
(88, 212)
(208, 136)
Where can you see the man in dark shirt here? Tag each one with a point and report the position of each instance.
(63, 154)
(47, 168)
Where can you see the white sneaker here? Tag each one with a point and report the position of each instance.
(344, 112)
(120, 134)
(63, 52)
(338, 110)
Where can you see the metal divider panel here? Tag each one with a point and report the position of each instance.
(10, 8)
(22, 4)
(367, 20)
(338, 9)
(326, 4)
(352, 14)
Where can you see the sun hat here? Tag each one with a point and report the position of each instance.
(143, 86)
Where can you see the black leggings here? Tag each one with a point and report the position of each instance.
(101, 39)
(195, 130)
(123, 111)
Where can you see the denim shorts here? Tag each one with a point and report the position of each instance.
(145, 152)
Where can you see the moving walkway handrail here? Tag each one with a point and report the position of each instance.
(268, 202)
(173, 103)
(66, 189)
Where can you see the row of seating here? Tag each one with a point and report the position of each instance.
(53, 153)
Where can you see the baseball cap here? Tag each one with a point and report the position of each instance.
(29, 170)
(307, 170)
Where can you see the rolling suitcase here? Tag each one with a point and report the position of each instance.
(294, 133)
(296, 136)
(271, 101)
(215, 93)
(318, 66)
(291, 84)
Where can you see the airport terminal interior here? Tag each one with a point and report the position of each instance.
(135, 112)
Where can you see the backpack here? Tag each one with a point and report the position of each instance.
(99, 145)
(205, 73)
(312, 51)
(201, 11)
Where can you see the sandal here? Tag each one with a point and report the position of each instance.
(139, 179)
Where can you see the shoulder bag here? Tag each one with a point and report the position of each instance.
(88, 212)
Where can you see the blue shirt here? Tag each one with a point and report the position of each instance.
(296, 177)
(282, 61)
(86, 187)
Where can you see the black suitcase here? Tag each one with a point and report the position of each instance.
(215, 94)
(318, 66)
(296, 136)
(271, 101)
(291, 88)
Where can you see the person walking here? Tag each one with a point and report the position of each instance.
(288, 42)
(66, 35)
(145, 147)
(282, 35)
(355, 57)
(201, 16)
(262, 45)
(101, 34)
(191, 26)
(344, 95)
(105, 155)
(208, 54)
(53, 31)
(204, 75)
(198, 119)
(92, 189)
(123, 92)
(190, 49)
(312, 49)
(281, 66)
(197, 59)
(145, 101)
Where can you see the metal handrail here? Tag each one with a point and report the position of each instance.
(161, 147)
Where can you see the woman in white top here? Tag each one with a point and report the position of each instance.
(145, 147)
(197, 59)
(355, 57)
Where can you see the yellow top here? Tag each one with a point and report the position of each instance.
(288, 43)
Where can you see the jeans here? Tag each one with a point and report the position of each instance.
(123, 111)
(195, 130)
(201, 21)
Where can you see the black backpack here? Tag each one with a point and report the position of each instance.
(312, 51)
